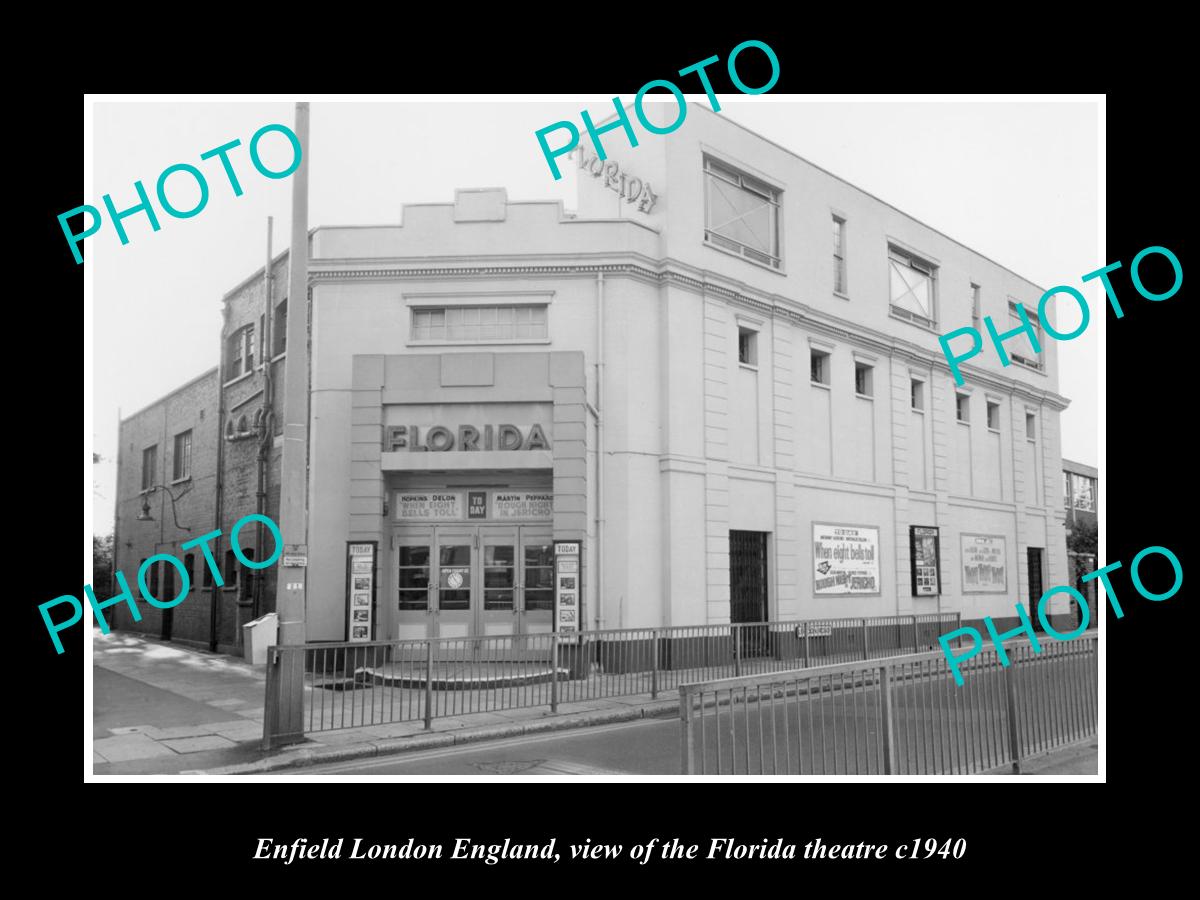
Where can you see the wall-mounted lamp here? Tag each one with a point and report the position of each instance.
(144, 515)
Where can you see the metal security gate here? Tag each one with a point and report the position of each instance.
(748, 589)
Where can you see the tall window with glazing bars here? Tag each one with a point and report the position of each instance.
(741, 213)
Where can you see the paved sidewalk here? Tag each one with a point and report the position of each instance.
(162, 708)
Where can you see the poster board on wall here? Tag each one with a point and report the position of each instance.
(984, 564)
(845, 559)
(360, 591)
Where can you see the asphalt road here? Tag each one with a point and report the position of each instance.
(937, 728)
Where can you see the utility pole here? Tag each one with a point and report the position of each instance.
(293, 506)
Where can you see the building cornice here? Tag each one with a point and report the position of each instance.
(702, 282)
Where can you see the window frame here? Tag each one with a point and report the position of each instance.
(840, 280)
(751, 362)
(175, 455)
(243, 339)
(919, 384)
(279, 329)
(712, 167)
(1030, 419)
(149, 472)
(1038, 365)
(993, 405)
(1089, 492)
(825, 357)
(962, 400)
(976, 306)
(477, 309)
(922, 265)
(869, 379)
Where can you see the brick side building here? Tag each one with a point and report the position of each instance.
(166, 496)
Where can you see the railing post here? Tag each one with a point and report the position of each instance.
(914, 625)
(654, 665)
(687, 761)
(885, 711)
(806, 645)
(864, 638)
(1010, 696)
(271, 711)
(737, 650)
(958, 626)
(428, 684)
(554, 672)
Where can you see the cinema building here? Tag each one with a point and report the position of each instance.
(719, 374)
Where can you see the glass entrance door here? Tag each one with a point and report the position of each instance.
(414, 589)
(497, 613)
(454, 581)
(537, 580)
(462, 581)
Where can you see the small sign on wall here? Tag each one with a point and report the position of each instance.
(567, 588)
(360, 591)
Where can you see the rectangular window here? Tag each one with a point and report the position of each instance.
(913, 287)
(975, 310)
(747, 347)
(1019, 347)
(239, 352)
(964, 407)
(862, 380)
(149, 466)
(1031, 426)
(279, 329)
(1066, 490)
(993, 415)
(182, 458)
(918, 394)
(233, 356)
(479, 324)
(741, 213)
(231, 568)
(249, 330)
(839, 255)
(1083, 493)
(820, 367)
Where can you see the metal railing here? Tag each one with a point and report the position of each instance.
(321, 687)
(903, 715)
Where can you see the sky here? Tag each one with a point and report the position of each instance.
(1015, 181)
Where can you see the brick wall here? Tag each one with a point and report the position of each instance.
(192, 406)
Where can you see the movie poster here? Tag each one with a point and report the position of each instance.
(845, 559)
(984, 563)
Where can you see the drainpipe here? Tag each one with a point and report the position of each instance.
(214, 606)
(599, 575)
(266, 431)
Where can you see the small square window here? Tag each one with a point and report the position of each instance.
(820, 367)
(918, 394)
(862, 380)
(964, 407)
(993, 415)
(747, 347)
(1031, 426)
